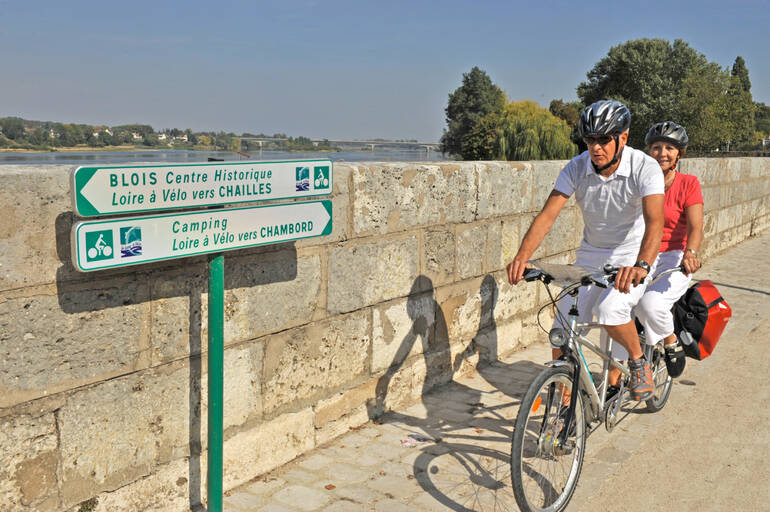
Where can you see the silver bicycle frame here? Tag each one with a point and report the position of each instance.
(576, 340)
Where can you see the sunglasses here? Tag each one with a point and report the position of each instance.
(601, 139)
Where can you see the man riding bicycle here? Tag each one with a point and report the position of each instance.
(620, 192)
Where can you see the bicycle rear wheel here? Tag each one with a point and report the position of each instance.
(545, 473)
(660, 379)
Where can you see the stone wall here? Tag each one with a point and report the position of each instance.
(103, 375)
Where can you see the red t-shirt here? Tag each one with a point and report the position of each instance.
(683, 193)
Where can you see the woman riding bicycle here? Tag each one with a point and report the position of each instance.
(682, 235)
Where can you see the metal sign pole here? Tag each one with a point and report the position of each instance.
(216, 380)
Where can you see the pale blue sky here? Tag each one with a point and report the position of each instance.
(334, 69)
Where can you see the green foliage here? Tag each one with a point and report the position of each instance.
(741, 72)
(569, 112)
(88, 505)
(762, 119)
(468, 104)
(741, 105)
(523, 131)
(701, 109)
(13, 128)
(661, 81)
(646, 75)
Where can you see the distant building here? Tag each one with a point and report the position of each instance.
(181, 137)
(136, 136)
(162, 136)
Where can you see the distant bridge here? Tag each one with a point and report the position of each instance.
(371, 144)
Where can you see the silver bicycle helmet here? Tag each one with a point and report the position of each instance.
(604, 117)
(668, 131)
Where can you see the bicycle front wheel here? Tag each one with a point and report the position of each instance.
(544, 472)
(660, 379)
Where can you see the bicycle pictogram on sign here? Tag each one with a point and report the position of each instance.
(99, 245)
(321, 177)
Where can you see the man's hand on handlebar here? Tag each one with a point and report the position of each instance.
(628, 276)
(516, 270)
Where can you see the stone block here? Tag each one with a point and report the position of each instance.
(340, 404)
(505, 188)
(438, 256)
(493, 249)
(166, 490)
(509, 333)
(354, 418)
(729, 218)
(308, 363)
(362, 274)
(264, 293)
(511, 301)
(51, 343)
(395, 197)
(278, 294)
(461, 309)
(711, 198)
(471, 240)
(710, 223)
(511, 238)
(267, 446)
(35, 223)
(118, 431)
(561, 237)
(28, 463)
(402, 329)
(544, 174)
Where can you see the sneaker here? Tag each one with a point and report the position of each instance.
(641, 386)
(675, 360)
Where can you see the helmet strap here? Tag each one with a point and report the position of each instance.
(615, 157)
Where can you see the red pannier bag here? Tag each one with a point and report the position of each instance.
(700, 316)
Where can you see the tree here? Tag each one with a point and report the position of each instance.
(13, 128)
(741, 72)
(762, 118)
(646, 75)
(474, 99)
(38, 137)
(523, 131)
(569, 112)
(704, 109)
(741, 105)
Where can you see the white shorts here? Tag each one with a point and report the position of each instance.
(607, 306)
(654, 308)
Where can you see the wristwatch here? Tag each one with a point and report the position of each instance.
(643, 264)
(692, 251)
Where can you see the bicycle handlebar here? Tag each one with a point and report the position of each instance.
(534, 274)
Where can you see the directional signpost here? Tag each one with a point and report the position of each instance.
(122, 241)
(98, 191)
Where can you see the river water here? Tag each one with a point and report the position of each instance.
(118, 157)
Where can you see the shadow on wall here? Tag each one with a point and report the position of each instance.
(99, 291)
(430, 327)
(464, 436)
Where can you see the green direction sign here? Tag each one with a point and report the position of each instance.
(130, 189)
(98, 245)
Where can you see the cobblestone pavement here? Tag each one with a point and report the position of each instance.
(451, 451)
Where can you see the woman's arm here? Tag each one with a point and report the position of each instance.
(694, 215)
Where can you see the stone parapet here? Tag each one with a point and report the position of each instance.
(103, 375)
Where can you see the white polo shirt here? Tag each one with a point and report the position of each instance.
(612, 207)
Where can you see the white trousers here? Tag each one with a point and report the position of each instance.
(654, 308)
(607, 305)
